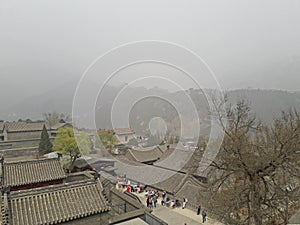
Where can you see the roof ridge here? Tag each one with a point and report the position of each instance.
(100, 188)
(84, 200)
(159, 149)
(130, 151)
(53, 188)
(189, 179)
(16, 174)
(193, 180)
(31, 161)
(180, 185)
(4, 210)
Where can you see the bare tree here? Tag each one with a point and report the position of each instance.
(54, 118)
(255, 177)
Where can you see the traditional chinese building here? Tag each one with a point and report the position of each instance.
(124, 134)
(95, 164)
(22, 175)
(13, 131)
(38, 192)
(21, 139)
(75, 203)
(146, 156)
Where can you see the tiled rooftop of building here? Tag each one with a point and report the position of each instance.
(30, 172)
(22, 126)
(57, 204)
(144, 156)
(28, 126)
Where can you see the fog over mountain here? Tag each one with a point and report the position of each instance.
(46, 47)
(267, 104)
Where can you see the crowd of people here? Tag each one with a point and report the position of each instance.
(152, 197)
(138, 188)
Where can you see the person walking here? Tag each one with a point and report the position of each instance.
(204, 215)
(150, 203)
(164, 194)
(172, 205)
(198, 209)
(154, 201)
(184, 202)
(162, 201)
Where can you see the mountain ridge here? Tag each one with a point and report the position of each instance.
(266, 103)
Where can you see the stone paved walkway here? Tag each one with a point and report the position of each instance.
(178, 216)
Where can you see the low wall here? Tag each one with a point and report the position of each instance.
(117, 198)
(125, 207)
(4, 145)
(101, 218)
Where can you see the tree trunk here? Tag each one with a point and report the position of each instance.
(255, 202)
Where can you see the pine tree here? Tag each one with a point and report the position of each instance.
(45, 145)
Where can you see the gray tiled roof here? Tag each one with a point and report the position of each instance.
(57, 204)
(30, 172)
(166, 153)
(23, 126)
(172, 183)
(193, 190)
(4, 210)
(144, 156)
(177, 184)
(125, 160)
(29, 126)
(60, 125)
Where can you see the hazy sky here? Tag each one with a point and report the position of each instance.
(246, 43)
